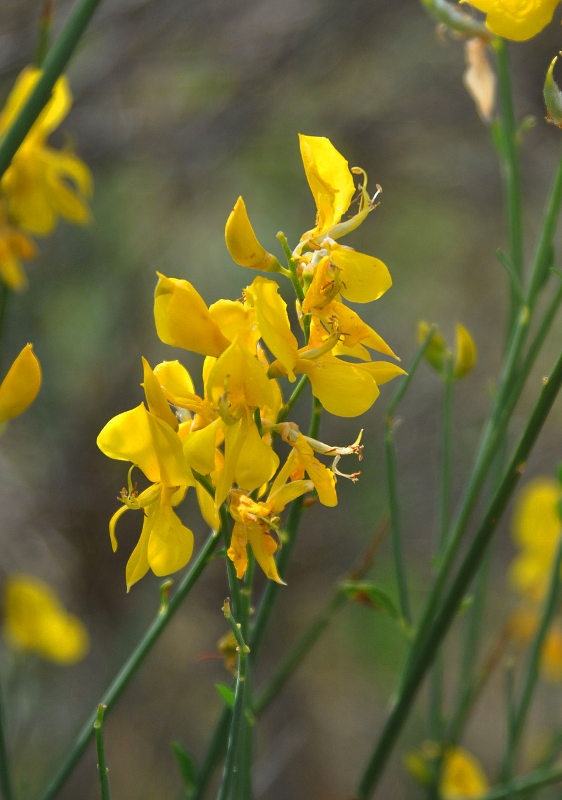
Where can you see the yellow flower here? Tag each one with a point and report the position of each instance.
(536, 530)
(462, 777)
(516, 19)
(41, 183)
(36, 622)
(150, 440)
(14, 247)
(253, 520)
(21, 385)
(438, 354)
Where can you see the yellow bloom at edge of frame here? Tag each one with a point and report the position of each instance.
(36, 622)
(516, 19)
(462, 777)
(21, 384)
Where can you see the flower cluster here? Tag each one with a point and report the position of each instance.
(226, 432)
(42, 183)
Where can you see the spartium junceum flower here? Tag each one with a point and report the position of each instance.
(516, 19)
(225, 429)
(461, 774)
(42, 183)
(36, 622)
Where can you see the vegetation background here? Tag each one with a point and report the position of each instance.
(179, 107)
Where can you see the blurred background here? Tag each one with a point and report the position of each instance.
(178, 109)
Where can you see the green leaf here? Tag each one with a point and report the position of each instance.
(371, 595)
(226, 693)
(186, 765)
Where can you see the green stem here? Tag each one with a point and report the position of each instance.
(235, 727)
(299, 651)
(394, 508)
(242, 789)
(430, 644)
(533, 665)
(45, 23)
(286, 410)
(129, 668)
(213, 755)
(5, 771)
(103, 771)
(510, 170)
(54, 65)
(536, 780)
(5, 293)
(233, 583)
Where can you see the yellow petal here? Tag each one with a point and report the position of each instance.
(263, 547)
(156, 399)
(322, 477)
(343, 389)
(21, 385)
(35, 620)
(363, 278)
(273, 322)
(183, 319)
(242, 242)
(199, 447)
(536, 524)
(170, 544)
(52, 114)
(257, 462)
(209, 511)
(465, 358)
(151, 444)
(514, 19)
(281, 497)
(175, 381)
(236, 321)
(330, 181)
(382, 371)
(355, 331)
(237, 552)
(137, 565)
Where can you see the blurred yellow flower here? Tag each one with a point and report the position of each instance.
(462, 777)
(438, 354)
(42, 183)
(21, 384)
(36, 622)
(536, 530)
(516, 19)
(523, 624)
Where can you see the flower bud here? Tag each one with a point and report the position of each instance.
(552, 97)
(242, 242)
(465, 357)
(436, 352)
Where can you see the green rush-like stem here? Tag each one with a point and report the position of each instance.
(448, 609)
(520, 786)
(45, 23)
(292, 264)
(5, 768)
(407, 379)
(53, 66)
(242, 783)
(103, 771)
(532, 667)
(299, 651)
(286, 410)
(5, 293)
(129, 668)
(235, 727)
(233, 583)
(213, 754)
(509, 160)
(510, 717)
(395, 527)
(394, 508)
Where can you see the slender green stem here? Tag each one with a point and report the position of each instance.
(242, 784)
(535, 780)
(510, 171)
(213, 755)
(45, 23)
(430, 644)
(474, 623)
(299, 651)
(103, 771)
(286, 410)
(533, 664)
(5, 293)
(407, 379)
(129, 668)
(395, 527)
(5, 770)
(511, 720)
(235, 627)
(54, 65)
(235, 727)
(233, 583)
